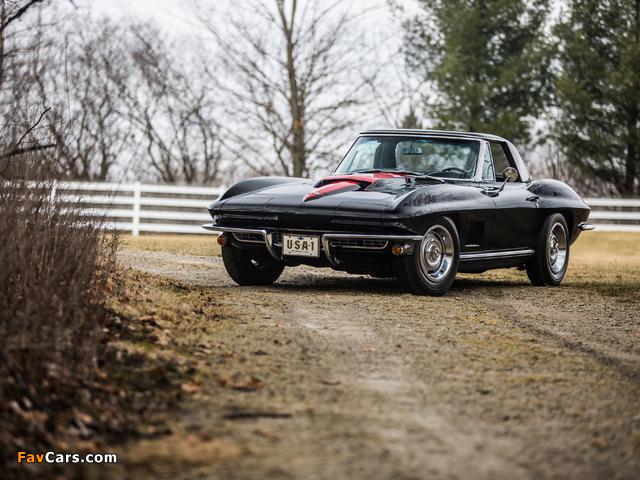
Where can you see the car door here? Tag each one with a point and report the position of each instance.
(517, 211)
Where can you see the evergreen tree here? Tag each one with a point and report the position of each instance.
(599, 91)
(487, 61)
(411, 120)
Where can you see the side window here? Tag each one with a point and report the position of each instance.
(500, 160)
(487, 166)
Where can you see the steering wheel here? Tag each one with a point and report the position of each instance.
(455, 169)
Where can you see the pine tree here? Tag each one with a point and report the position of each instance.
(487, 61)
(599, 91)
(411, 120)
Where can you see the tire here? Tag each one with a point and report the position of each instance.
(248, 268)
(432, 267)
(550, 262)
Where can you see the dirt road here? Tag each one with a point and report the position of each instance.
(351, 378)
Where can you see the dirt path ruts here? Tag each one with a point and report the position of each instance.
(494, 380)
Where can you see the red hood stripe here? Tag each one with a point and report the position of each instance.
(342, 183)
(340, 186)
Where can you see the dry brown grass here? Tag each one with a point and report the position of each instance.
(609, 247)
(175, 244)
(606, 263)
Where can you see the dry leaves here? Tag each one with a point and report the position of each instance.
(250, 386)
(191, 387)
(206, 344)
(331, 382)
(158, 370)
(599, 443)
(151, 321)
(265, 433)
(159, 337)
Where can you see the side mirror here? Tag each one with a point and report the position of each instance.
(510, 174)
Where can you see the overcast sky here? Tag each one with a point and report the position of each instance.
(166, 12)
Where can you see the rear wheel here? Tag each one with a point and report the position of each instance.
(550, 262)
(247, 267)
(432, 267)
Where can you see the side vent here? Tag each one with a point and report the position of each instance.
(476, 234)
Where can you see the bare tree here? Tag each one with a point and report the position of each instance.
(19, 126)
(295, 76)
(173, 109)
(87, 121)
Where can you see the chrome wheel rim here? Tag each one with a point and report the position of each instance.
(436, 253)
(557, 248)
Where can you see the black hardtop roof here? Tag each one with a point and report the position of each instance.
(415, 132)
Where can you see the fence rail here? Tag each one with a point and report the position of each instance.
(138, 207)
(614, 214)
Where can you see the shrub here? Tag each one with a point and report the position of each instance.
(54, 268)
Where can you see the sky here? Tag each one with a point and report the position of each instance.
(166, 12)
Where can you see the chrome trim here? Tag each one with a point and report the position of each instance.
(480, 162)
(360, 247)
(585, 226)
(327, 252)
(466, 257)
(271, 246)
(235, 235)
(217, 228)
(364, 236)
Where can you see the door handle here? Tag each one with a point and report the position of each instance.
(533, 198)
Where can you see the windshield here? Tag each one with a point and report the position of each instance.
(448, 158)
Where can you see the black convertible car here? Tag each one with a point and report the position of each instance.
(418, 205)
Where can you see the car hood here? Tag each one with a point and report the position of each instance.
(350, 200)
(364, 193)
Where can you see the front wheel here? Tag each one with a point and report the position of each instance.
(432, 267)
(550, 262)
(247, 267)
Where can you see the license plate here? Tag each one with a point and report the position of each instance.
(300, 246)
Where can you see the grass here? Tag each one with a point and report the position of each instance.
(174, 244)
(606, 263)
(617, 247)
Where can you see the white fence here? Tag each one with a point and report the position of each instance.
(139, 208)
(615, 214)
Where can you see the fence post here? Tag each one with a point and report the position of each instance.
(54, 187)
(135, 230)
